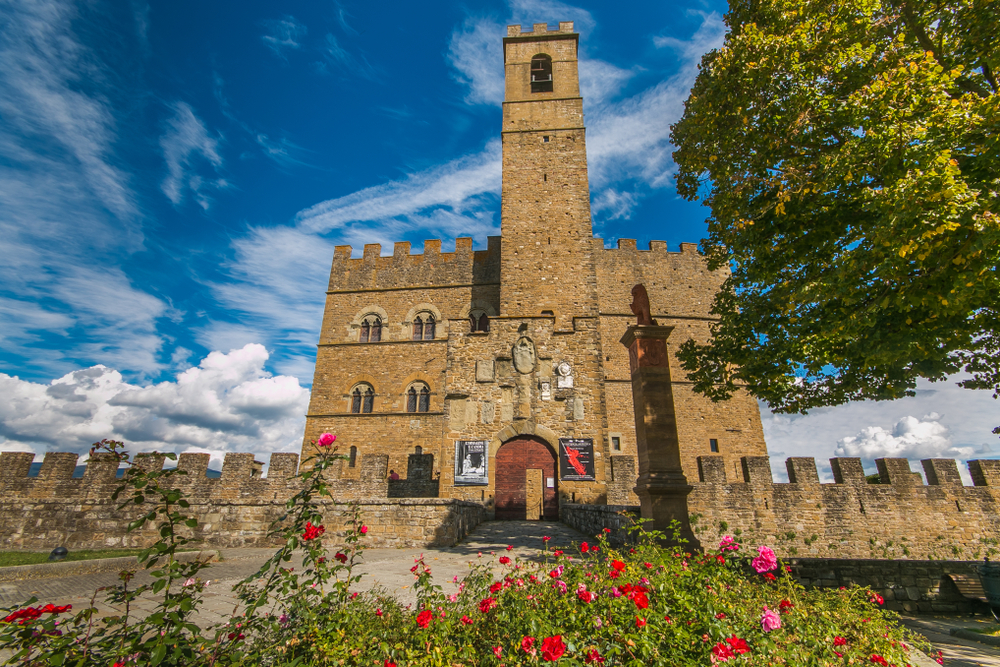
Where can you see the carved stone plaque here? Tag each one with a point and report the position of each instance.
(524, 355)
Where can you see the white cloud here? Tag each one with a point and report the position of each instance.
(283, 34)
(226, 403)
(472, 52)
(185, 144)
(909, 438)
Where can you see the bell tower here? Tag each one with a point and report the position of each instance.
(547, 263)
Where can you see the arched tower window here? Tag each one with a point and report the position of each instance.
(478, 321)
(362, 399)
(371, 329)
(418, 398)
(423, 327)
(541, 74)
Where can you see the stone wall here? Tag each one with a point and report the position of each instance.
(591, 520)
(922, 586)
(235, 510)
(899, 518)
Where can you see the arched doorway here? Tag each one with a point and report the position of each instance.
(518, 464)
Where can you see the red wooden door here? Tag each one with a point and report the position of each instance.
(513, 460)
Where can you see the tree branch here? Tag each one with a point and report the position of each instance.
(927, 44)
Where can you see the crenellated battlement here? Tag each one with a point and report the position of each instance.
(406, 268)
(899, 517)
(539, 29)
(657, 248)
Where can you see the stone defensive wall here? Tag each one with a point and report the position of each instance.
(898, 518)
(407, 270)
(237, 509)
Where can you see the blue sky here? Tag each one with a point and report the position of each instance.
(174, 176)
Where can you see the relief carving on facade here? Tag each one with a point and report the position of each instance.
(524, 355)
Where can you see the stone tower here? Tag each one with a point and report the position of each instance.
(547, 254)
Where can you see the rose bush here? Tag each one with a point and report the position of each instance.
(596, 605)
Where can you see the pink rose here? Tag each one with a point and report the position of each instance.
(728, 544)
(765, 562)
(769, 620)
(363, 530)
(326, 440)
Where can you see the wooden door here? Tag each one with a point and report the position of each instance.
(513, 461)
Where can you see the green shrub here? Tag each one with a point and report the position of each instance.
(644, 605)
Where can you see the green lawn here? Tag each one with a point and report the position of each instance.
(35, 557)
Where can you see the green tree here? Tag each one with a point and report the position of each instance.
(849, 151)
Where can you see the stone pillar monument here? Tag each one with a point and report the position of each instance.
(661, 486)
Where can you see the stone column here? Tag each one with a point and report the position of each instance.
(661, 486)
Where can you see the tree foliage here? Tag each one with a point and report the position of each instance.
(849, 151)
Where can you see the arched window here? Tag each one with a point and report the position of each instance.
(478, 321)
(353, 458)
(541, 74)
(418, 398)
(418, 450)
(423, 327)
(371, 329)
(362, 399)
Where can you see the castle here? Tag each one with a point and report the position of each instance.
(498, 374)
(485, 384)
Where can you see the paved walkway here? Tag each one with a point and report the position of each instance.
(390, 569)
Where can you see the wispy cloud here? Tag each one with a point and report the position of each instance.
(337, 59)
(68, 212)
(283, 35)
(186, 144)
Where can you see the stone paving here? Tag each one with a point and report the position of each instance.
(390, 569)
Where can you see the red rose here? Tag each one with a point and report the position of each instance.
(363, 530)
(639, 622)
(785, 606)
(527, 643)
(768, 576)
(342, 557)
(593, 658)
(879, 660)
(497, 586)
(738, 645)
(424, 618)
(614, 574)
(486, 604)
(722, 652)
(618, 565)
(839, 641)
(584, 547)
(466, 620)
(504, 560)
(510, 547)
(553, 648)
(389, 663)
(312, 532)
(720, 615)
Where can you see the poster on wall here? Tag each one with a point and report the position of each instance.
(471, 458)
(576, 459)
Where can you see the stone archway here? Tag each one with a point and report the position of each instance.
(522, 467)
